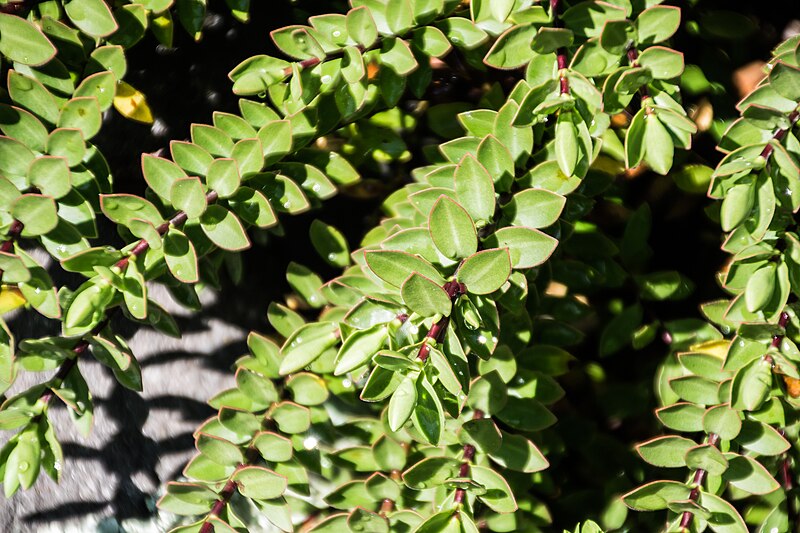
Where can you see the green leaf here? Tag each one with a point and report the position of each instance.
(213, 140)
(359, 348)
(723, 421)
(528, 247)
(259, 483)
(497, 160)
(23, 126)
(223, 177)
(617, 36)
(291, 418)
(665, 451)
(67, 143)
(330, 244)
(760, 287)
(36, 212)
(273, 447)
(39, 290)
(284, 320)
(189, 195)
(762, 438)
(92, 17)
(474, 189)
(566, 143)
(535, 208)
(463, 33)
(161, 174)
(634, 140)
(488, 393)
(696, 389)
(395, 267)
(588, 18)
(707, 457)
(14, 270)
(498, 496)
(430, 472)
(363, 520)
(190, 157)
(276, 140)
(655, 495)
(253, 207)
(619, 331)
(82, 114)
(219, 450)
(751, 385)
(297, 42)
(224, 229)
(187, 499)
(517, 453)
(659, 147)
(33, 96)
(402, 403)
(306, 345)
(737, 205)
(361, 26)
(485, 271)
(306, 283)
(724, 516)
(663, 63)
(548, 40)
(181, 257)
(430, 40)
(452, 229)
(657, 24)
(307, 389)
(749, 475)
(785, 79)
(124, 208)
(23, 42)
(425, 297)
(396, 55)
(513, 48)
(50, 175)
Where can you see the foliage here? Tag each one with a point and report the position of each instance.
(419, 389)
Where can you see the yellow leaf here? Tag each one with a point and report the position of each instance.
(10, 298)
(132, 104)
(718, 348)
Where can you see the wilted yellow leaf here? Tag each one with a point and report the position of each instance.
(132, 104)
(10, 298)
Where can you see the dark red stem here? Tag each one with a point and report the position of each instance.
(8, 244)
(780, 134)
(454, 289)
(782, 322)
(633, 60)
(469, 454)
(699, 479)
(176, 221)
(561, 53)
(66, 366)
(219, 505)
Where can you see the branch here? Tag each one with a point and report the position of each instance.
(699, 478)
(176, 221)
(780, 134)
(8, 244)
(561, 53)
(469, 454)
(633, 61)
(454, 289)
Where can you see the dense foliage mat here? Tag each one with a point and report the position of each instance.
(428, 385)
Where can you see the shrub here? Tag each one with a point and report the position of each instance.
(429, 386)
